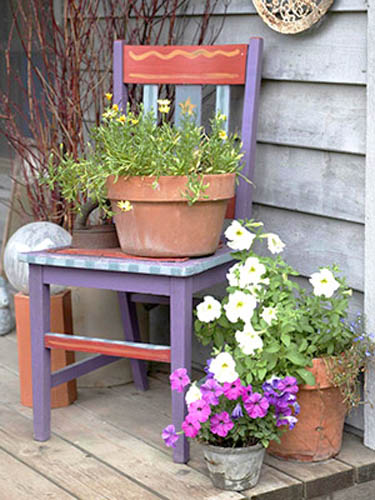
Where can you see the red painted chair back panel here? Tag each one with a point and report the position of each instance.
(205, 64)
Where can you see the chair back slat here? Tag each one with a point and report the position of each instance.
(185, 64)
(244, 191)
(150, 97)
(223, 102)
(192, 95)
(189, 67)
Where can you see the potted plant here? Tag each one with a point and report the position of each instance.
(160, 178)
(272, 326)
(232, 420)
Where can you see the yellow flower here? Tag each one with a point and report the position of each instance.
(187, 106)
(164, 105)
(115, 108)
(223, 135)
(134, 121)
(125, 206)
(108, 96)
(121, 119)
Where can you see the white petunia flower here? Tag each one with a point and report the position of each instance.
(240, 305)
(209, 309)
(275, 245)
(324, 283)
(269, 314)
(224, 368)
(239, 237)
(251, 272)
(233, 274)
(249, 340)
(193, 394)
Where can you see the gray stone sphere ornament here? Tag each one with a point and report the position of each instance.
(32, 237)
(6, 319)
(291, 16)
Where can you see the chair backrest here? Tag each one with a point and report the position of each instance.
(190, 67)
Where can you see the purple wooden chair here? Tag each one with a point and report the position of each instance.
(145, 280)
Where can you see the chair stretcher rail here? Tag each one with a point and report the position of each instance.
(122, 349)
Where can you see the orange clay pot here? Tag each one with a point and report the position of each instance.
(318, 432)
(61, 322)
(161, 223)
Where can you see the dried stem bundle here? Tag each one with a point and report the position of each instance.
(67, 52)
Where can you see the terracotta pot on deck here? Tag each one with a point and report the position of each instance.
(318, 432)
(161, 223)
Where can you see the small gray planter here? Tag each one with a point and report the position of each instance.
(234, 469)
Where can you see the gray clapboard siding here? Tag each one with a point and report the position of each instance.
(316, 182)
(319, 116)
(325, 54)
(369, 437)
(5, 188)
(247, 7)
(244, 7)
(314, 241)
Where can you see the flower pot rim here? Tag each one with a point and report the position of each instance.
(226, 449)
(321, 372)
(161, 176)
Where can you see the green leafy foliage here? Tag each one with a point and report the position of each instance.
(135, 144)
(307, 323)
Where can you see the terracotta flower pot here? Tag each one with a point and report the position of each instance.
(318, 432)
(161, 223)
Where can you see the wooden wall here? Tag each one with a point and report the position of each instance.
(310, 167)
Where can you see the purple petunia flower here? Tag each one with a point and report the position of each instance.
(270, 384)
(233, 390)
(285, 411)
(256, 405)
(288, 384)
(179, 379)
(207, 368)
(292, 422)
(199, 410)
(237, 411)
(190, 426)
(272, 397)
(297, 408)
(211, 390)
(221, 424)
(170, 436)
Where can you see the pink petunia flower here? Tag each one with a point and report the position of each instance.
(221, 424)
(233, 390)
(256, 405)
(190, 426)
(179, 379)
(246, 392)
(199, 410)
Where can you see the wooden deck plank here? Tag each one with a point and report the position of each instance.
(18, 482)
(131, 455)
(359, 457)
(320, 478)
(70, 468)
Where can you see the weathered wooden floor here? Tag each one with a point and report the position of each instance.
(108, 446)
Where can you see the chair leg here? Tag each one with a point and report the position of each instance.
(40, 356)
(181, 337)
(131, 333)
